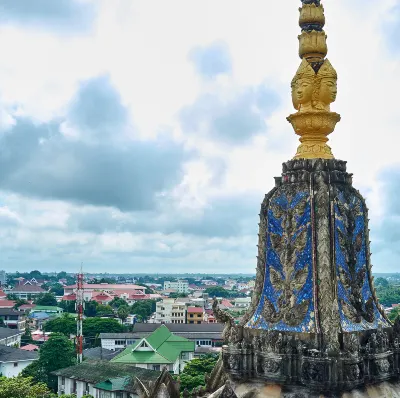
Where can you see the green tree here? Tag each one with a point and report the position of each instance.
(118, 302)
(381, 282)
(35, 274)
(62, 275)
(2, 324)
(394, 314)
(26, 338)
(103, 310)
(217, 291)
(193, 374)
(22, 387)
(92, 327)
(123, 313)
(90, 308)
(144, 308)
(57, 289)
(46, 299)
(56, 353)
(65, 324)
(68, 306)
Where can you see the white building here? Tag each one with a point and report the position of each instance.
(181, 286)
(3, 278)
(13, 360)
(170, 311)
(242, 302)
(10, 337)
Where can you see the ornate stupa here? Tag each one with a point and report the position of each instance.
(315, 325)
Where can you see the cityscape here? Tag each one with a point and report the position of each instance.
(199, 199)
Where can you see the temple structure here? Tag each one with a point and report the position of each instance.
(315, 325)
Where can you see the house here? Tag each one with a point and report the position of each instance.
(48, 309)
(26, 292)
(30, 347)
(242, 303)
(99, 353)
(195, 315)
(208, 282)
(26, 307)
(204, 335)
(102, 297)
(14, 360)
(116, 289)
(209, 317)
(7, 303)
(160, 349)
(2, 295)
(10, 337)
(103, 379)
(13, 319)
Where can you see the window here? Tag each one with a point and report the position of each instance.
(191, 315)
(198, 322)
(63, 381)
(156, 367)
(15, 364)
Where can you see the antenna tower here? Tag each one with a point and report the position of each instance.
(79, 320)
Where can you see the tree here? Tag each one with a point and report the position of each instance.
(394, 314)
(217, 291)
(68, 306)
(46, 299)
(22, 387)
(103, 310)
(26, 338)
(65, 324)
(56, 353)
(35, 274)
(381, 282)
(193, 374)
(144, 308)
(118, 302)
(57, 289)
(92, 327)
(123, 313)
(62, 275)
(90, 308)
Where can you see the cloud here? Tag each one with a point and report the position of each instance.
(232, 119)
(213, 60)
(60, 15)
(38, 160)
(222, 217)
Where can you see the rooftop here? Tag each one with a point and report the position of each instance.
(6, 332)
(107, 286)
(99, 353)
(195, 310)
(27, 289)
(11, 354)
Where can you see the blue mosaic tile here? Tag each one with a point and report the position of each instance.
(304, 260)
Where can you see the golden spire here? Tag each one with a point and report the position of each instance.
(314, 86)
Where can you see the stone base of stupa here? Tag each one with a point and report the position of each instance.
(261, 390)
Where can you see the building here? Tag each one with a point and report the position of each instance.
(242, 303)
(208, 282)
(160, 349)
(25, 292)
(181, 286)
(92, 289)
(102, 379)
(203, 335)
(3, 278)
(50, 310)
(194, 315)
(7, 303)
(170, 311)
(14, 360)
(10, 337)
(13, 319)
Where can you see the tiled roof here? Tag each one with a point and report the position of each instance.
(6, 332)
(7, 303)
(99, 353)
(30, 347)
(11, 354)
(195, 310)
(9, 311)
(27, 289)
(107, 286)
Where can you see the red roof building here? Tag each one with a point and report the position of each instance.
(69, 297)
(30, 347)
(2, 295)
(7, 303)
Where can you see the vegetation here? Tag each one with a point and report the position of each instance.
(388, 295)
(394, 314)
(46, 299)
(123, 313)
(143, 308)
(65, 324)
(22, 387)
(56, 353)
(217, 291)
(193, 374)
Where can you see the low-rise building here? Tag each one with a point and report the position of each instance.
(13, 319)
(242, 303)
(7, 303)
(195, 315)
(10, 337)
(26, 292)
(14, 360)
(181, 286)
(160, 349)
(103, 379)
(203, 335)
(48, 309)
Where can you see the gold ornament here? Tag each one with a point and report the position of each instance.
(314, 89)
(310, 13)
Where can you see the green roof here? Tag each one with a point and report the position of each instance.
(167, 348)
(115, 384)
(46, 308)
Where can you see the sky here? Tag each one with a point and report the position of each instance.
(142, 135)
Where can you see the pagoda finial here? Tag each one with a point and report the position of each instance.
(314, 86)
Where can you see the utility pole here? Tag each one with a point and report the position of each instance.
(79, 320)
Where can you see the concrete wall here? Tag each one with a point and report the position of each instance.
(12, 369)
